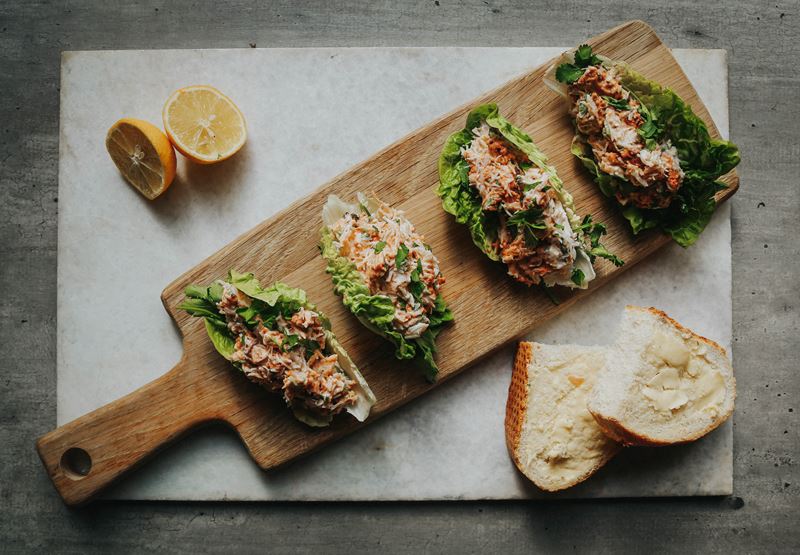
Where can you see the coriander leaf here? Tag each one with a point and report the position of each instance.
(594, 231)
(290, 341)
(585, 58)
(526, 222)
(402, 254)
(529, 217)
(578, 277)
(618, 103)
(531, 240)
(379, 246)
(310, 346)
(568, 73)
(417, 287)
(602, 252)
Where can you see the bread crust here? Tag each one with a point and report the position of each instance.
(617, 431)
(517, 402)
(516, 412)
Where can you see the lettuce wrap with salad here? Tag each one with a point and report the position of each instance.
(387, 276)
(283, 343)
(494, 179)
(642, 144)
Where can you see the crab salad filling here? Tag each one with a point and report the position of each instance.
(287, 353)
(393, 260)
(611, 120)
(535, 239)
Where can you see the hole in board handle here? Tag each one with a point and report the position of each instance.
(76, 463)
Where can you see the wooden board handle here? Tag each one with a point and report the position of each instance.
(87, 454)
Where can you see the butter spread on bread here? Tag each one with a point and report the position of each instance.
(550, 434)
(663, 383)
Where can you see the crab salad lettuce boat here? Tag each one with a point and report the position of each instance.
(283, 343)
(494, 179)
(643, 145)
(387, 276)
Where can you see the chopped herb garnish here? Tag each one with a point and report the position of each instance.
(618, 103)
(549, 293)
(417, 287)
(402, 254)
(578, 277)
(379, 246)
(595, 232)
(289, 341)
(651, 129)
(530, 217)
(310, 346)
(527, 222)
(530, 186)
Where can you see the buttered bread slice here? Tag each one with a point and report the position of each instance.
(550, 434)
(662, 383)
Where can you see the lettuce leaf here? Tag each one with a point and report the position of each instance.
(376, 312)
(220, 336)
(462, 201)
(703, 160)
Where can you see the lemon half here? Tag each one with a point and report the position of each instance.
(204, 124)
(143, 154)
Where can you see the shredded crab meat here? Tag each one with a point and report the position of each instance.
(507, 183)
(372, 242)
(315, 383)
(612, 132)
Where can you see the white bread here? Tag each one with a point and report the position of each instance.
(662, 384)
(551, 436)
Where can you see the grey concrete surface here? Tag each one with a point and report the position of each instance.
(763, 40)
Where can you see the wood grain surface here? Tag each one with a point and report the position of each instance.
(490, 309)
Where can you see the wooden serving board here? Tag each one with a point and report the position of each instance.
(85, 455)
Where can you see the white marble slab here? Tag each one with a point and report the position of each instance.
(311, 114)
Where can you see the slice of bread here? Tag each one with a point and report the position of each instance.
(550, 434)
(662, 384)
